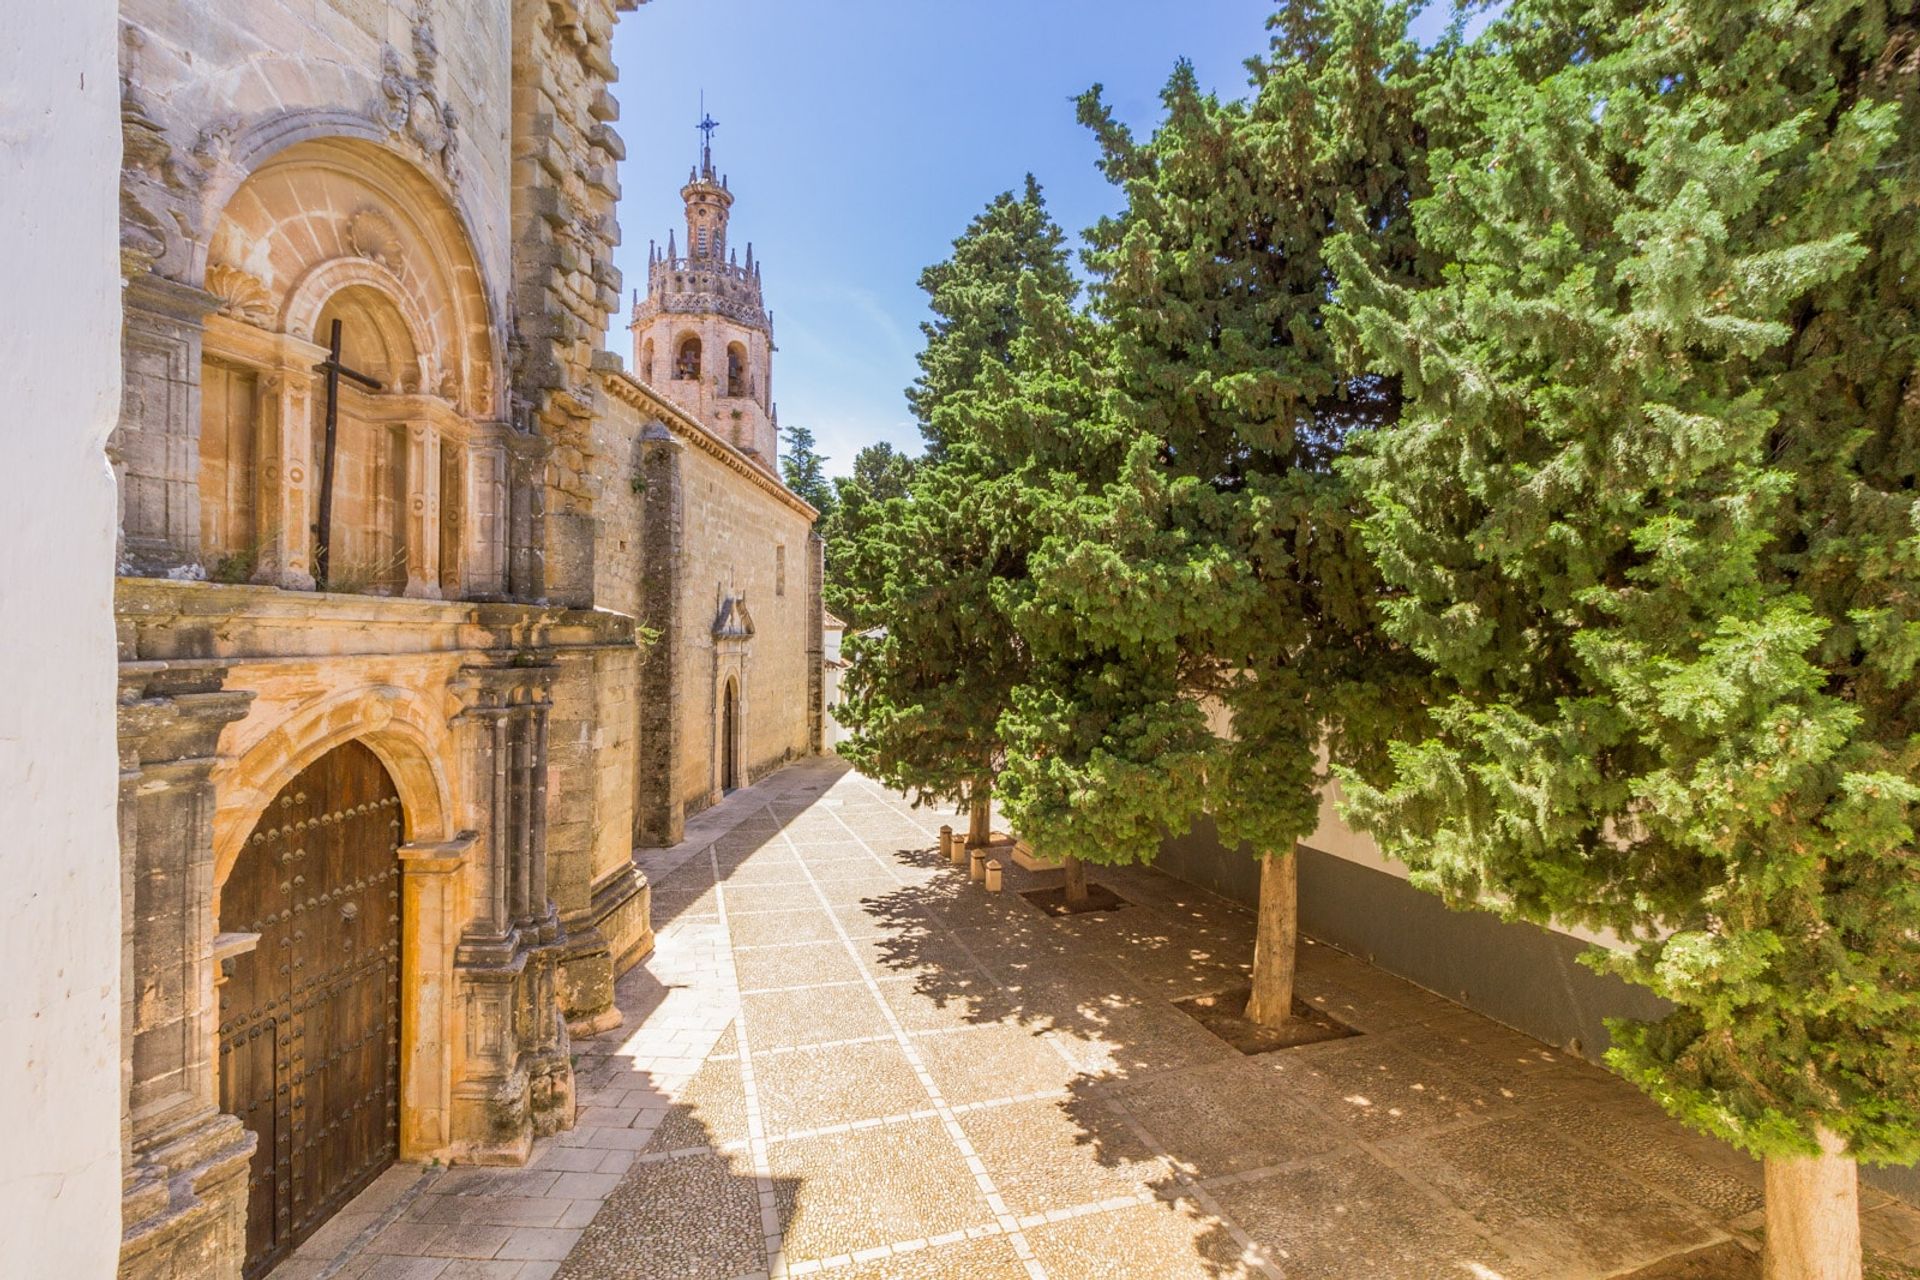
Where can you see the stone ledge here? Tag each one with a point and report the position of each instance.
(160, 620)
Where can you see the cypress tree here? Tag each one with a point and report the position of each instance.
(1651, 514)
(1209, 620)
(804, 469)
(879, 472)
(924, 698)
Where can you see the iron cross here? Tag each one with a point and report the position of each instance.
(323, 528)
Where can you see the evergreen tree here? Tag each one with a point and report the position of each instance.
(805, 471)
(975, 299)
(1217, 580)
(880, 472)
(1652, 517)
(924, 698)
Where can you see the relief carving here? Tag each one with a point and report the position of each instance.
(372, 236)
(155, 183)
(241, 295)
(412, 104)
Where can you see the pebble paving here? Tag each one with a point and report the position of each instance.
(845, 1059)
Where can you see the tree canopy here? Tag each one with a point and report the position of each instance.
(924, 697)
(805, 471)
(1650, 514)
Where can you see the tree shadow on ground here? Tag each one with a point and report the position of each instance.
(994, 960)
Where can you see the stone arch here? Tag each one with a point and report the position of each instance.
(325, 285)
(321, 210)
(688, 353)
(235, 152)
(730, 769)
(646, 361)
(738, 378)
(397, 725)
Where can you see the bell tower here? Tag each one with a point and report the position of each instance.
(702, 336)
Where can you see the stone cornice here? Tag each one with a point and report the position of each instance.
(180, 623)
(630, 390)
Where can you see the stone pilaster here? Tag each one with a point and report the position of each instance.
(659, 819)
(186, 1162)
(423, 510)
(157, 443)
(285, 478)
(514, 1081)
(816, 642)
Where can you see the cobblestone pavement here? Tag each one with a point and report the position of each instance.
(846, 1059)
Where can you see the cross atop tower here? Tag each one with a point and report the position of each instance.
(706, 127)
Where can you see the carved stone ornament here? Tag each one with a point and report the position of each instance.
(241, 295)
(155, 183)
(412, 105)
(372, 236)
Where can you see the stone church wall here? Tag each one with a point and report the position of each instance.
(691, 529)
(743, 541)
(59, 1006)
(440, 174)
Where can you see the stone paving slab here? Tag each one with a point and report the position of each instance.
(845, 1059)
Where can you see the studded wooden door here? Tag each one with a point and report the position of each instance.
(310, 1019)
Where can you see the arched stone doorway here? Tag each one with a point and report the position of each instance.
(309, 1024)
(730, 738)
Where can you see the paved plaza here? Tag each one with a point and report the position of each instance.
(846, 1059)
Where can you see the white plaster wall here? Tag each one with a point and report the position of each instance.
(59, 859)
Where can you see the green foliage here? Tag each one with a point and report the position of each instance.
(925, 696)
(880, 472)
(974, 297)
(805, 471)
(1651, 515)
(1208, 574)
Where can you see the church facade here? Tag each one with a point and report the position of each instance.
(428, 612)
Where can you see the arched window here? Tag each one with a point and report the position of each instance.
(736, 370)
(646, 361)
(686, 368)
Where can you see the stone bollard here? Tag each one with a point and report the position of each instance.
(978, 870)
(993, 876)
(946, 843)
(958, 854)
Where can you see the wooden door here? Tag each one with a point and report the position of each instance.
(310, 1019)
(729, 740)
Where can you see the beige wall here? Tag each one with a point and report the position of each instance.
(733, 526)
(732, 531)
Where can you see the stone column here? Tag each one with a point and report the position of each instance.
(513, 1080)
(186, 1161)
(659, 814)
(423, 511)
(429, 903)
(816, 643)
(157, 444)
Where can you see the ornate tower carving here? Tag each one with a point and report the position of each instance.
(702, 335)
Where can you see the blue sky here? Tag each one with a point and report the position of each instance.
(861, 135)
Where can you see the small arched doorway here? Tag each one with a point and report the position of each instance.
(310, 1018)
(730, 738)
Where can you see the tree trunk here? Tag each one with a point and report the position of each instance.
(1813, 1215)
(1076, 882)
(980, 814)
(1277, 933)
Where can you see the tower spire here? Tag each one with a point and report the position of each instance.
(706, 127)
